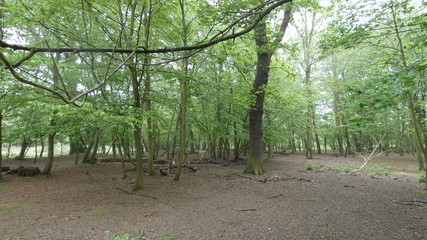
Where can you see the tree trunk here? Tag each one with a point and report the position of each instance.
(270, 149)
(137, 134)
(192, 142)
(50, 148)
(24, 146)
(89, 147)
(95, 148)
(184, 94)
(113, 145)
(319, 148)
(42, 145)
(147, 95)
(254, 163)
(35, 151)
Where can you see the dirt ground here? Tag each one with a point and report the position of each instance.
(385, 201)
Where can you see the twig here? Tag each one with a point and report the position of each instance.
(411, 203)
(275, 196)
(246, 209)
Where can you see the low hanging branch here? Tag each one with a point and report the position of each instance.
(56, 93)
(143, 50)
(138, 50)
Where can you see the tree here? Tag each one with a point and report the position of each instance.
(310, 20)
(266, 50)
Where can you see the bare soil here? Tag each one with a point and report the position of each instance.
(385, 201)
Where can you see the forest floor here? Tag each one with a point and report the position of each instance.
(219, 201)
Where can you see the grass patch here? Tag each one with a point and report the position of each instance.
(9, 207)
(382, 172)
(339, 169)
(126, 236)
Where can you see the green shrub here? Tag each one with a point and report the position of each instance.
(422, 177)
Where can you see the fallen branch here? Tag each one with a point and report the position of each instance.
(368, 158)
(247, 210)
(411, 203)
(144, 195)
(275, 196)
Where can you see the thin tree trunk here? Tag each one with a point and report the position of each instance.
(41, 150)
(35, 151)
(319, 148)
(50, 149)
(95, 148)
(89, 147)
(184, 94)
(24, 146)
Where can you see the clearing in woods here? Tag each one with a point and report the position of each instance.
(218, 201)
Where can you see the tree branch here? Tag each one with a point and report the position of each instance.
(142, 50)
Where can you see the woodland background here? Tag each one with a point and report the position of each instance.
(149, 79)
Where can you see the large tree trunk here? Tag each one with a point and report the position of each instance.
(254, 163)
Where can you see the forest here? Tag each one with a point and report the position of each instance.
(180, 82)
